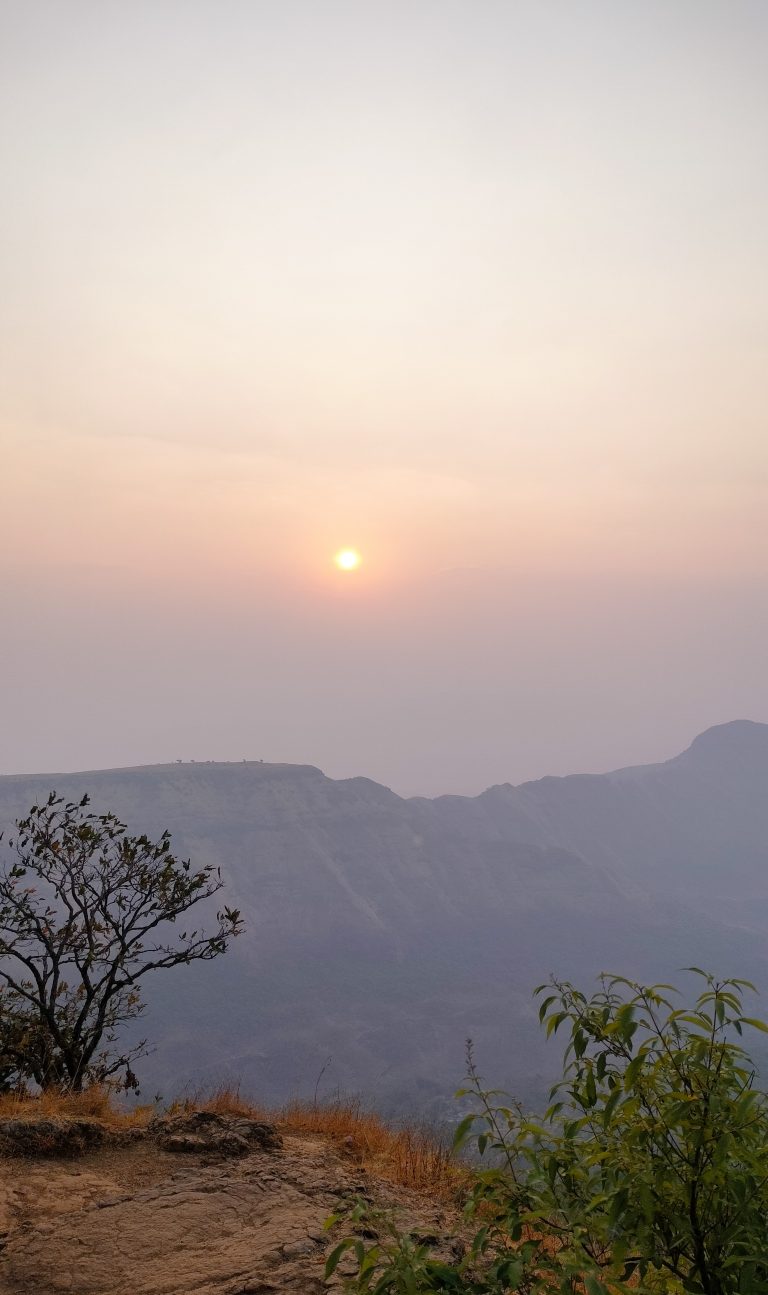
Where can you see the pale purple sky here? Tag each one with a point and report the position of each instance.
(479, 287)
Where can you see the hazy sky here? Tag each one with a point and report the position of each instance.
(478, 287)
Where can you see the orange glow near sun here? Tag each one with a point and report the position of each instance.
(347, 559)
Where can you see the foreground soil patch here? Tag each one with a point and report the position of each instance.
(149, 1221)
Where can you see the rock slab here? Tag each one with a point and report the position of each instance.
(228, 1229)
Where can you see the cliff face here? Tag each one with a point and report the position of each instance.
(382, 932)
(695, 827)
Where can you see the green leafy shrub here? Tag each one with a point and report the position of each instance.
(648, 1172)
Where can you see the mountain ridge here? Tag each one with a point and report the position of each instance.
(707, 737)
(383, 930)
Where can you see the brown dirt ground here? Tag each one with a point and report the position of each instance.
(137, 1220)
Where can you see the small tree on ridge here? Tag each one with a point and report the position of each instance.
(86, 912)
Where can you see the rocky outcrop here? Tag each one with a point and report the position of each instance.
(60, 1137)
(225, 1135)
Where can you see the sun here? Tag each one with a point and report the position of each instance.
(347, 559)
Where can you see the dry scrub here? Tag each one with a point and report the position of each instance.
(94, 1103)
(410, 1157)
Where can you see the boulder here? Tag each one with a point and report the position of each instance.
(205, 1131)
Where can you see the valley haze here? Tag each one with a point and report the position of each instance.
(380, 932)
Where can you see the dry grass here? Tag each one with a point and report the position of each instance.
(94, 1103)
(224, 1100)
(410, 1157)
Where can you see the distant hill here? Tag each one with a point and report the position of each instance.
(381, 932)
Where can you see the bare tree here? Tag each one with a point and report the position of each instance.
(86, 912)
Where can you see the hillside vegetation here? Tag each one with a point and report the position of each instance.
(647, 1173)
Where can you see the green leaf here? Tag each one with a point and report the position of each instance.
(332, 1262)
(590, 1088)
(633, 1070)
(510, 1271)
(594, 1287)
(610, 1106)
(462, 1130)
(755, 1023)
(554, 1022)
(370, 1260)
